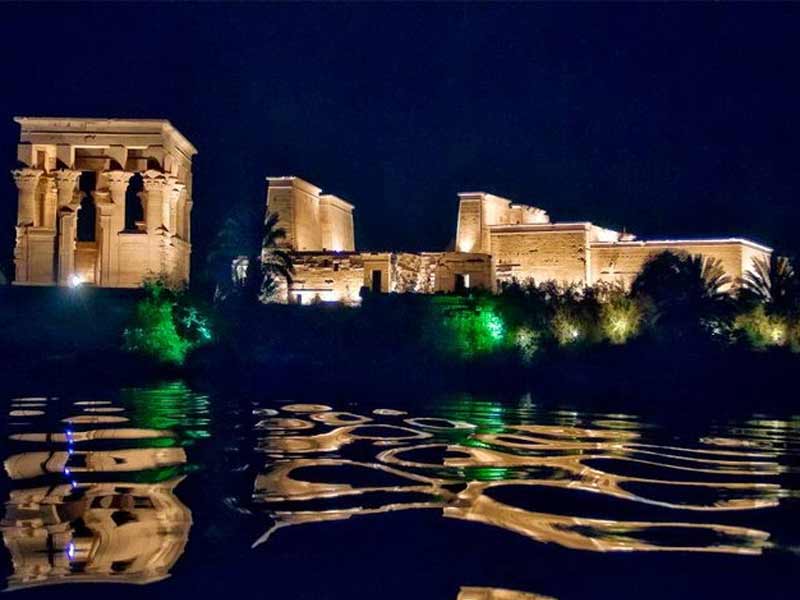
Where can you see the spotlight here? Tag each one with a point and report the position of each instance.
(75, 280)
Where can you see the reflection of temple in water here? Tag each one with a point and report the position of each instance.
(466, 472)
(114, 532)
(111, 516)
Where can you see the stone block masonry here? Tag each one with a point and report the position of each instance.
(497, 241)
(105, 202)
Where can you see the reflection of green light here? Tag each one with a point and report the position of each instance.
(173, 407)
(488, 473)
(161, 474)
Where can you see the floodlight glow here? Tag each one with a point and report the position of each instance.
(75, 280)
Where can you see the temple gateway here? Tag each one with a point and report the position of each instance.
(104, 202)
(496, 241)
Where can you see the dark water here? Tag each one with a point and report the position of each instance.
(166, 491)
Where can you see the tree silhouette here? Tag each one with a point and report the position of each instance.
(246, 234)
(687, 293)
(772, 282)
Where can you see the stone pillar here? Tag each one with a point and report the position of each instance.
(50, 203)
(155, 185)
(27, 181)
(117, 186)
(174, 194)
(106, 270)
(67, 183)
(68, 204)
(156, 217)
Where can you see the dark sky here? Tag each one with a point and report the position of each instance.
(670, 120)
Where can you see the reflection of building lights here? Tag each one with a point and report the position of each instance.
(75, 280)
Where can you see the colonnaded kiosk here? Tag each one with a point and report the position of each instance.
(107, 202)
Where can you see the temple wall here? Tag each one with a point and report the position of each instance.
(339, 277)
(313, 222)
(327, 278)
(620, 263)
(378, 261)
(336, 223)
(86, 261)
(279, 202)
(477, 267)
(469, 236)
(133, 259)
(558, 255)
(308, 234)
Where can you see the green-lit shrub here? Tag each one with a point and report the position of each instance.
(566, 326)
(761, 329)
(528, 343)
(165, 326)
(621, 317)
(466, 327)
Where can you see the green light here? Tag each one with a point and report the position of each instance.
(166, 327)
(472, 328)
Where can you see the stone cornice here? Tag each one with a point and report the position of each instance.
(114, 127)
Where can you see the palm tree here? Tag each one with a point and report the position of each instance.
(257, 243)
(772, 282)
(685, 291)
(276, 259)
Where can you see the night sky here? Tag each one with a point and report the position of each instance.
(669, 120)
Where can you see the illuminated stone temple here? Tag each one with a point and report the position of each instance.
(105, 202)
(497, 241)
(319, 228)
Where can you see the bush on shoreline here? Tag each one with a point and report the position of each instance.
(677, 301)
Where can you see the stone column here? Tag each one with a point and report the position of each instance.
(27, 181)
(174, 194)
(117, 186)
(67, 183)
(156, 216)
(50, 203)
(104, 235)
(68, 204)
(155, 185)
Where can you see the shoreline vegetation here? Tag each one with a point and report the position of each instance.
(674, 340)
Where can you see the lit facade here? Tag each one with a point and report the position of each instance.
(319, 228)
(497, 241)
(525, 244)
(105, 202)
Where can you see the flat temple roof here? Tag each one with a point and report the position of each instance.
(685, 242)
(104, 125)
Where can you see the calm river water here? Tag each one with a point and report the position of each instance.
(167, 491)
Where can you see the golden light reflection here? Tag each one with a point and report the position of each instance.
(84, 514)
(459, 467)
